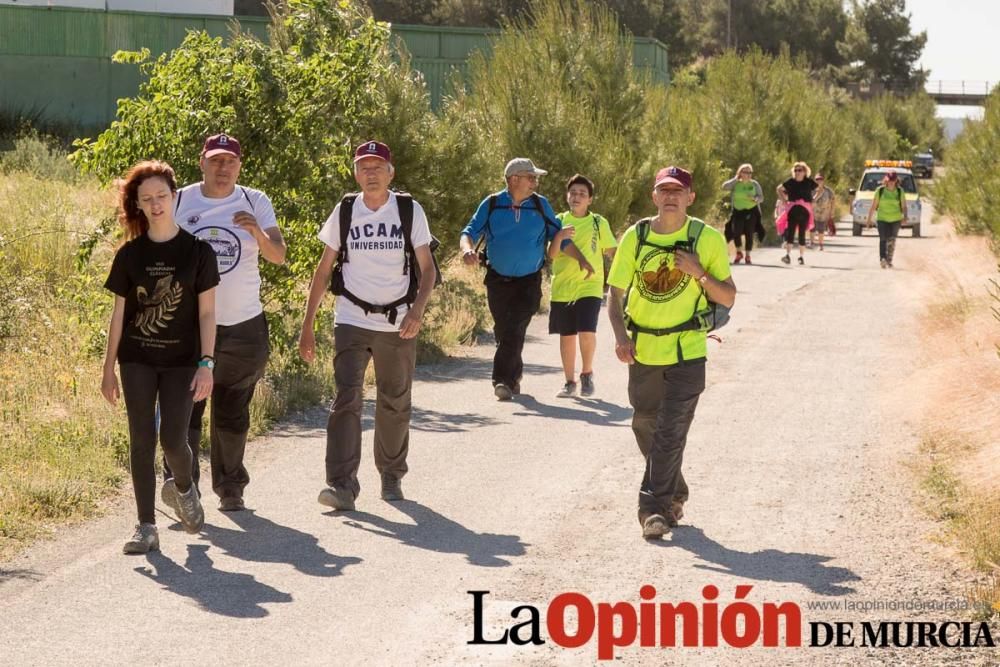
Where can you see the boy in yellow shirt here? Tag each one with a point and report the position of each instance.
(576, 291)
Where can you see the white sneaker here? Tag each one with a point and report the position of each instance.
(189, 510)
(168, 494)
(143, 540)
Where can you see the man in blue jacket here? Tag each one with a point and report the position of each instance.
(517, 224)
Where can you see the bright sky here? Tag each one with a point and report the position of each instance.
(961, 45)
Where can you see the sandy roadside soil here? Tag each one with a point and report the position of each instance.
(797, 463)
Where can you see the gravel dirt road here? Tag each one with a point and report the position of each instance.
(799, 488)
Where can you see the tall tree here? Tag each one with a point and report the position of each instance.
(881, 47)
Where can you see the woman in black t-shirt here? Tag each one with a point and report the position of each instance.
(162, 335)
(797, 191)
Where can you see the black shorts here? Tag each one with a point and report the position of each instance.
(569, 319)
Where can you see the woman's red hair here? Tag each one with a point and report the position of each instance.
(129, 215)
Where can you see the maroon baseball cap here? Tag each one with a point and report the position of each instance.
(681, 177)
(891, 175)
(217, 144)
(373, 149)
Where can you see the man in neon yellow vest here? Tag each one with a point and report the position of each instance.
(666, 268)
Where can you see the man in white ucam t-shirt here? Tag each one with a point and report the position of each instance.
(240, 225)
(377, 317)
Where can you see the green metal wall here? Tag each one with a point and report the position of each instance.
(57, 61)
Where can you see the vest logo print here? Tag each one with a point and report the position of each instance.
(660, 281)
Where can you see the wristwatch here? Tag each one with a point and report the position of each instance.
(207, 361)
(703, 279)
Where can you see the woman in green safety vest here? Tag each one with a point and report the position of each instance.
(889, 209)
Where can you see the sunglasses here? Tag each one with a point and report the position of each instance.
(799, 171)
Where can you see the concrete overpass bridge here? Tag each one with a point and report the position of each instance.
(961, 93)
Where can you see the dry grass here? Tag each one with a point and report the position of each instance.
(956, 376)
(62, 448)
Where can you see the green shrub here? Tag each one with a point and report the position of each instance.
(38, 156)
(970, 188)
(559, 88)
(297, 104)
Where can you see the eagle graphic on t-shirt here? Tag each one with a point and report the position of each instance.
(158, 306)
(663, 279)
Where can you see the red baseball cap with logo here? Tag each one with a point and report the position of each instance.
(373, 149)
(217, 144)
(673, 174)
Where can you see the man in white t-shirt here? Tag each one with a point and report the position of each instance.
(240, 225)
(377, 317)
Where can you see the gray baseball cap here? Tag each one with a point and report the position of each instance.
(520, 165)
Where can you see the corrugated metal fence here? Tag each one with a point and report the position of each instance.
(56, 62)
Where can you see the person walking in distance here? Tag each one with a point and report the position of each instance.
(665, 270)
(162, 335)
(744, 220)
(824, 203)
(796, 194)
(240, 225)
(517, 225)
(375, 240)
(889, 209)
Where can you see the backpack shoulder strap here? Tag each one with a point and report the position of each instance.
(346, 213)
(247, 196)
(537, 200)
(695, 228)
(404, 202)
(641, 234)
(490, 207)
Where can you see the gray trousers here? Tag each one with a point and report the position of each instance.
(394, 360)
(664, 399)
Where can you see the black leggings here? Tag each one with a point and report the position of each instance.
(798, 217)
(142, 385)
(744, 223)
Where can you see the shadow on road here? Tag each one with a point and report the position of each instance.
(475, 369)
(436, 532)
(768, 565)
(591, 410)
(10, 575)
(224, 593)
(433, 421)
(261, 540)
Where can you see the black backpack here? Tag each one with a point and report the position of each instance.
(410, 265)
(713, 316)
(493, 206)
